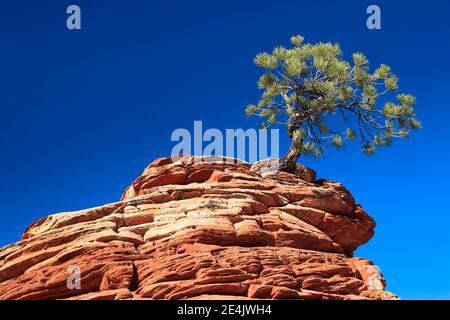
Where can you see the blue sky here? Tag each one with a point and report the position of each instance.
(83, 112)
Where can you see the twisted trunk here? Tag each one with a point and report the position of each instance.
(288, 163)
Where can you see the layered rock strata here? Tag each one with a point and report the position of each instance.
(194, 229)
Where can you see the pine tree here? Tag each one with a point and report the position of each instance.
(306, 83)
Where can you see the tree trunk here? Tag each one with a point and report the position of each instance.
(288, 163)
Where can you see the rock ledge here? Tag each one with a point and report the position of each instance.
(195, 229)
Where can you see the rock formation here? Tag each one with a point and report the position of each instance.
(201, 230)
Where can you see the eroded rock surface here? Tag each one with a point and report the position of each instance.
(201, 230)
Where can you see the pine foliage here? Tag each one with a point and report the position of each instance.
(304, 84)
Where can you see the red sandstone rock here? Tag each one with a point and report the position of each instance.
(190, 229)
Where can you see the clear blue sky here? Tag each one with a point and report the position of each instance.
(83, 112)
